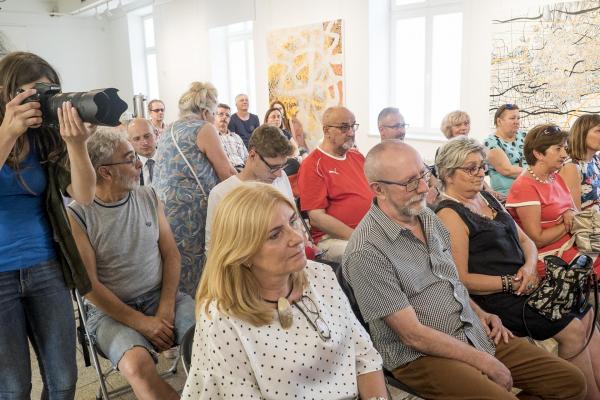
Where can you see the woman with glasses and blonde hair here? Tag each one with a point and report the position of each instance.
(497, 261)
(505, 156)
(190, 161)
(582, 171)
(270, 324)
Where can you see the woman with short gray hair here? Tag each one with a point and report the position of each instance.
(190, 161)
(497, 261)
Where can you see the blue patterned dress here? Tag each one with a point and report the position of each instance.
(186, 199)
(590, 181)
(514, 152)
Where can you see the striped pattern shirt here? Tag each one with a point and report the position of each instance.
(390, 269)
(234, 147)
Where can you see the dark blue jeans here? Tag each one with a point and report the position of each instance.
(36, 304)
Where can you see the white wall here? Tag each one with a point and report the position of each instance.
(80, 49)
(183, 49)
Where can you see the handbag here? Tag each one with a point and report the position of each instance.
(586, 230)
(565, 289)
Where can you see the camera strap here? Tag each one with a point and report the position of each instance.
(186, 161)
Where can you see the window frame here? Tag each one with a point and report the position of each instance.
(427, 9)
(149, 50)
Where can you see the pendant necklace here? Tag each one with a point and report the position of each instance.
(284, 309)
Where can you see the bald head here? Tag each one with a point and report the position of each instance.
(142, 136)
(338, 130)
(382, 161)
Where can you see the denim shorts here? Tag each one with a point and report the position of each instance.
(114, 338)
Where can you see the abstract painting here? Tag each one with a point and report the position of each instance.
(306, 72)
(546, 60)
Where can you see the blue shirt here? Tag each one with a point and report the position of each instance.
(25, 231)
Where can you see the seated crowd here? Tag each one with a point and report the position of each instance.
(195, 223)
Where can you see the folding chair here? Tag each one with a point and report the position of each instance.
(353, 303)
(90, 349)
(185, 349)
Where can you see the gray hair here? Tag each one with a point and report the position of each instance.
(453, 154)
(453, 118)
(385, 112)
(103, 145)
(200, 96)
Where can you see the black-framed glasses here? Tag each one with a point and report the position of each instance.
(413, 183)
(272, 168)
(158, 110)
(317, 322)
(474, 170)
(131, 161)
(345, 127)
(552, 130)
(396, 126)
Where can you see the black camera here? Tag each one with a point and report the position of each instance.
(98, 107)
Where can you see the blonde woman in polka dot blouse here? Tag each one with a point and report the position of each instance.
(309, 346)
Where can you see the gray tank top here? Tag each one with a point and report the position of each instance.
(124, 236)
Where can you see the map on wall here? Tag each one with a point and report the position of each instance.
(306, 72)
(547, 61)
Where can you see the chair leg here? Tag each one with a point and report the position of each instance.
(102, 391)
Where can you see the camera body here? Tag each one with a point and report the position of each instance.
(98, 107)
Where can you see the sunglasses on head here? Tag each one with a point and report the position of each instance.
(552, 130)
(510, 106)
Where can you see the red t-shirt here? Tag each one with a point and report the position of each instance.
(336, 184)
(553, 198)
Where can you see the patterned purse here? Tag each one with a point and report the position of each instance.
(565, 289)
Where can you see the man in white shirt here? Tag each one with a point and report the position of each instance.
(143, 139)
(268, 151)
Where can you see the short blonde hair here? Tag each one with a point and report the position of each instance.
(200, 96)
(240, 229)
(451, 119)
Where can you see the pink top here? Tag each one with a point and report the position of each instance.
(553, 198)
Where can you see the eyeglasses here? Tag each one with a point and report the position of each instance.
(272, 168)
(396, 126)
(158, 110)
(345, 128)
(552, 130)
(222, 114)
(133, 160)
(412, 184)
(474, 170)
(318, 323)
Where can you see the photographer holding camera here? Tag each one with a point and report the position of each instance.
(39, 261)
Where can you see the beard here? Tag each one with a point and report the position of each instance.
(129, 183)
(348, 144)
(413, 206)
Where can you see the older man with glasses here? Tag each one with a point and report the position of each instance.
(333, 187)
(431, 335)
(267, 157)
(156, 109)
(232, 142)
(127, 246)
(391, 124)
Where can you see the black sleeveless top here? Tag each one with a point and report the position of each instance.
(494, 249)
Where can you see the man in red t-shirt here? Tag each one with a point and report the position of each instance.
(333, 186)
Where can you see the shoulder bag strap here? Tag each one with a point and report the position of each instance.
(186, 161)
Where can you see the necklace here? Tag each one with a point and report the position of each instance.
(493, 210)
(550, 178)
(284, 309)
